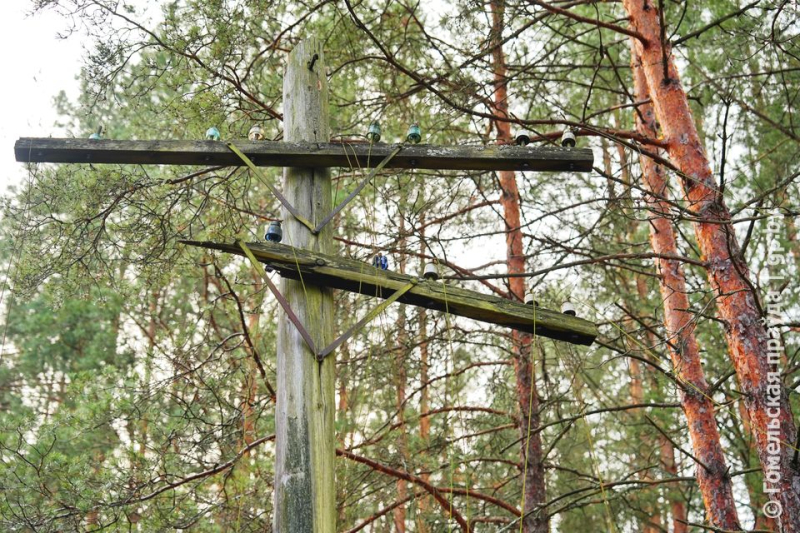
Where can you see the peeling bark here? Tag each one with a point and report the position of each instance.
(712, 475)
(728, 273)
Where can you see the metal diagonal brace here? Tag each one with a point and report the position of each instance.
(357, 190)
(281, 198)
(281, 300)
(296, 321)
(364, 321)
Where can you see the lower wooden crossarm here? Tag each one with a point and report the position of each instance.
(356, 276)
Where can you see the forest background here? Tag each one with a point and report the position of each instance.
(137, 375)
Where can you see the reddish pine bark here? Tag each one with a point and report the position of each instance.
(249, 393)
(676, 504)
(757, 496)
(531, 444)
(399, 512)
(728, 273)
(712, 475)
(250, 384)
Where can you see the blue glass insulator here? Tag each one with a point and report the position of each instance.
(274, 232)
(212, 134)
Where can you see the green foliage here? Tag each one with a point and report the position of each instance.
(74, 336)
(129, 392)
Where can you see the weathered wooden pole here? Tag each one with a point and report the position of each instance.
(304, 418)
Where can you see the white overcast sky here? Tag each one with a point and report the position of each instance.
(37, 65)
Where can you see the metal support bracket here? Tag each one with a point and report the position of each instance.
(278, 296)
(281, 198)
(293, 318)
(378, 309)
(357, 190)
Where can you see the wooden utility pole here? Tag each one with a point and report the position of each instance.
(304, 416)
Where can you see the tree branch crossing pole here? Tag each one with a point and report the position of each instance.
(304, 419)
(304, 415)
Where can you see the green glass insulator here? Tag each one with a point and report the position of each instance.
(374, 132)
(414, 135)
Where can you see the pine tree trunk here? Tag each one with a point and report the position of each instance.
(250, 390)
(728, 273)
(676, 504)
(531, 444)
(712, 475)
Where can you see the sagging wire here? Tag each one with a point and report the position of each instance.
(531, 362)
(12, 263)
(460, 415)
